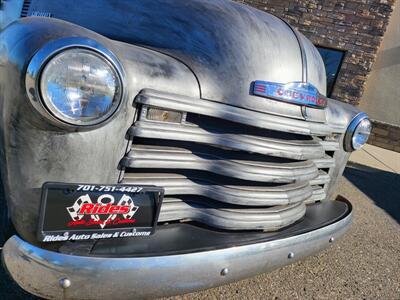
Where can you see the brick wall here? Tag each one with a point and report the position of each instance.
(355, 26)
(385, 136)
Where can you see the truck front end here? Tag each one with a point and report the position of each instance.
(154, 148)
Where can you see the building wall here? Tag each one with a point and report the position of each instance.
(385, 135)
(382, 93)
(381, 99)
(355, 26)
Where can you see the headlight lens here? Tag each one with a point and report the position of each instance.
(80, 87)
(361, 134)
(357, 133)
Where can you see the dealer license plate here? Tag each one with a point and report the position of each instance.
(88, 211)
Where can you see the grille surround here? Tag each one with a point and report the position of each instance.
(299, 163)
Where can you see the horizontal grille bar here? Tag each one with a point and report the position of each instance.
(325, 162)
(177, 184)
(144, 156)
(322, 178)
(235, 114)
(214, 214)
(330, 145)
(295, 149)
(318, 194)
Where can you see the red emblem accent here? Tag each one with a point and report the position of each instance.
(301, 93)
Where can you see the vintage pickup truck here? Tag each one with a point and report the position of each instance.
(153, 148)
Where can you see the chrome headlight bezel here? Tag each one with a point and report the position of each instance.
(351, 130)
(46, 54)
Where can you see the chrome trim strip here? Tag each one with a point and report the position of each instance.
(175, 184)
(234, 114)
(39, 271)
(160, 157)
(217, 215)
(304, 71)
(294, 149)
(303, 54)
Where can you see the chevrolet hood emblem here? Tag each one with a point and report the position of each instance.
(300, 93)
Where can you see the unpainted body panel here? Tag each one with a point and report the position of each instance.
(34, 151)
(227, 45)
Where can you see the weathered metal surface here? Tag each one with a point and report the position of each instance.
(231, 218)
(318, 194)
(296, 149)
(323, 178)
(236, 114)
(34, 151)
(176, 184)
(206, 35)
(142, 156)
(341, 158)
(325, 162)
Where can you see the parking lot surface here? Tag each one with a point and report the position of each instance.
(364, 264)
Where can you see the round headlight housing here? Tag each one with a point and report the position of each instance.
(361, 134)
(80, 87)
(357, 133)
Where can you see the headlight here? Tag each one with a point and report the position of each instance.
(75, 81)
(80, 87)
(357, 133)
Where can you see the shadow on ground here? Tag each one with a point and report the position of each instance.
(380, 186)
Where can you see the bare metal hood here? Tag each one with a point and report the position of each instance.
(227, 45)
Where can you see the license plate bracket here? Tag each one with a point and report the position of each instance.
(72, 211)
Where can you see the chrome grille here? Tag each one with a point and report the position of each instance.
(230, 167)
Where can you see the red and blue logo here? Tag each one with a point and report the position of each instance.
(300, 93)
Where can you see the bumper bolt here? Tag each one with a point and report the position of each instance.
(331, 240)
(64, 283)
(290, 255)
(224, 271)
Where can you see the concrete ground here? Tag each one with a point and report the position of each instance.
(378, 158)
(364, 264)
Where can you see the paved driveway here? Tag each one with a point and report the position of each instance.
(365, 264)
